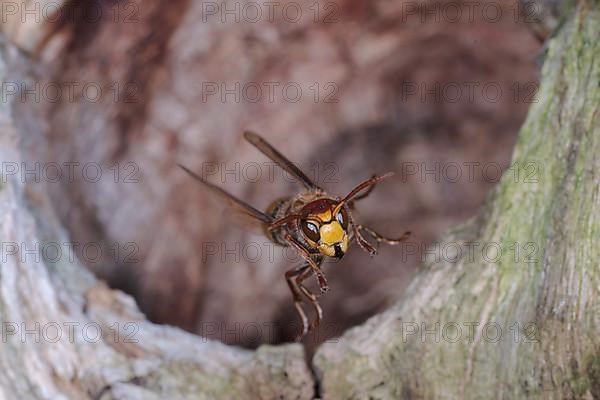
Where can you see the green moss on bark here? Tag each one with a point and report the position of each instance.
(540, 297)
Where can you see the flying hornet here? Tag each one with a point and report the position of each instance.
(317, 225)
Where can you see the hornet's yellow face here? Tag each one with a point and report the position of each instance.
(325, 228)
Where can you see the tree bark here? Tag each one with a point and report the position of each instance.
(156, 111)
(544, 298)
(65, 334)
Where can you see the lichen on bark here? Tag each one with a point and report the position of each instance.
(543, 292)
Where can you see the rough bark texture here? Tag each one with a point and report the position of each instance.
(158, 64)
(556, 290)
(49, 293)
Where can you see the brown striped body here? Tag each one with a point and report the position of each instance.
(315, 224)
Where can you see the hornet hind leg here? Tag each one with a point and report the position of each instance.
(300, 294)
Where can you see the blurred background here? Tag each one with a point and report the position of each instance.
(433, 90)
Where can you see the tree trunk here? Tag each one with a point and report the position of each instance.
(66, 335)
(156, 111)
(518, 314)
(520, 323)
